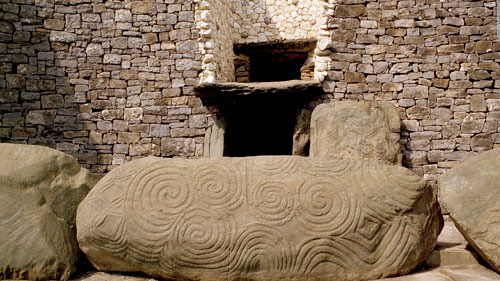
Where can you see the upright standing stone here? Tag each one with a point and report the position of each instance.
(40, 189)
(301, 134)
(470, 192)
(357, 130)
(259, 218)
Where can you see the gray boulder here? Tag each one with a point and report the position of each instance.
(40, 189)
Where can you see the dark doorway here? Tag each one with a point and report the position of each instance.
(259, 127)
(260, 118)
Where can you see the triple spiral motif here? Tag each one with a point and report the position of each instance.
(283, 215)
(273, 202)
(219, 187)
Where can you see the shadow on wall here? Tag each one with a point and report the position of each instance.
(106, 82)
(37, 103)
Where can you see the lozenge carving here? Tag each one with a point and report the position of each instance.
(261, 218)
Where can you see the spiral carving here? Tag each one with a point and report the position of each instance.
(219, 187)
(201, 239)
(252, 218)
(278, 165)
(164, 192)
(322, 208)
(259, 247)
(328, 166)
(273, 202)
(317, 253)
(155, 196)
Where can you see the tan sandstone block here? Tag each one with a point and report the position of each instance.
(259, 218)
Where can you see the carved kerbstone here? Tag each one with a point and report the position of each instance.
(356, 130)
(259, 218)
(470, 192)
(40, 189)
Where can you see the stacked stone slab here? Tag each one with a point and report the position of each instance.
(259, 218)
(356, 130)
(470, 192)
(40, 189)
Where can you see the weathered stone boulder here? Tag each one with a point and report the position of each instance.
(259, 218)
(357, 130)
(40, 189)
(470, 192)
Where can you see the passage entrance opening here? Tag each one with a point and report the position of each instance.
(259, 127)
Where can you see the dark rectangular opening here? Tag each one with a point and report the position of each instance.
(259, 127)
(276, 67)
(278, 61)
(261, 118)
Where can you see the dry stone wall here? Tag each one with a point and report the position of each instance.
(438, 61)
(272, 20)
(110, 81)
(105, 81)
(216, 45)
(223, 23)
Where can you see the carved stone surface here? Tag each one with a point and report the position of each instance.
(259, 218)
(470, 192)
(357, 130)
(40, 189)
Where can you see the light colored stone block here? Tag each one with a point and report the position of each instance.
(259, 218)
(40, 189)
(469, 192)
(357, 130)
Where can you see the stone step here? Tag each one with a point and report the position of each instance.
(451, 249)
(451, 273)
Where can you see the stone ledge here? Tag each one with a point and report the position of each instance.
(292, 88)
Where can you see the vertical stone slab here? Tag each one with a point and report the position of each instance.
(301, 134)
(214, 139)
(356, 130)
